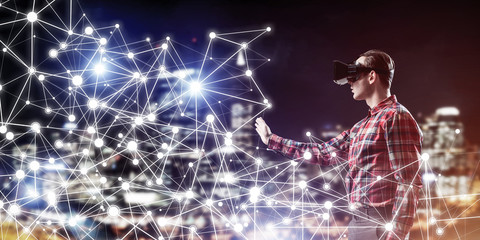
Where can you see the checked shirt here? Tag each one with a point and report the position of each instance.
(383, 152)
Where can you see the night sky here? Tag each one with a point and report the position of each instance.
(435, 46)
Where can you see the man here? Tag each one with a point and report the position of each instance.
(382, 150)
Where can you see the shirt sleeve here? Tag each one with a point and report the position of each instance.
(404, 143)
(327, 153)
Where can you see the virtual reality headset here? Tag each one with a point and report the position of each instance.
(343, 72)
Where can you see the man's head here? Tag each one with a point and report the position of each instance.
(380, 60)
(370, 81)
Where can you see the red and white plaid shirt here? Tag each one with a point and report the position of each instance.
(383, 152)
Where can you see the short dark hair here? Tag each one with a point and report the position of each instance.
(380, 60)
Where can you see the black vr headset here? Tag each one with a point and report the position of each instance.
(343, 72)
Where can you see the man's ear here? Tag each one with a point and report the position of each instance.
(372, 77)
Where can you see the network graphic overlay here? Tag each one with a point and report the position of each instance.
(102, 137)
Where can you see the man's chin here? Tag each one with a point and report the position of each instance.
(357, 97)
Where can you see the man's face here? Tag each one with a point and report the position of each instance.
(361, 88)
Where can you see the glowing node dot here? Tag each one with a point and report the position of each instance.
(212, 35)
(425, 157)
(293, 163)
(379, 178)
(84, 171)
(132, 146)
(139, 121)
(77, 80)
(328, 205)
(259, 161)
(41, 77)
(149, 183)
(159, 155)
(268, 29)
(130, 55)
(228, 142)
(32, 70)
(307, 155)
(308, 134)
(162, 222)
(135, 161)
(125, 186)
(53, 53)
(244, 45)
(32, 17)
(389, 227)
(164, 146)
(168, 38)
(229, 135)
(35, 127)
(34, 166)
(99, 69)
(103, 41)
(151, 117)
(238, 227)
(58, 144)
(63, 45)
(98, 142)
(91, 130)
(248, 73)
(189, 194)
(209, 202)
(71, 118)
(70, 32)
(457, 131)
(159, 181)
(88, 30)
(4, 49)
(210, 118)
(286, 221)
(93, 104)
(325, 216)
(326, 186)
(433, 220)
(302, 184)
(117, 25)
(136, 75)
(14, 210)
(20, 174)
(195, 86)
(175, 130)
(334, 154)
(164, 46)
(3, 129)
(113, 211)
(190, 164)
(254, 194)
(9, 136)
(103, 180)
(352, 207)
(72, 222)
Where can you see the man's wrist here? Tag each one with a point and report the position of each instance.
(269, 138)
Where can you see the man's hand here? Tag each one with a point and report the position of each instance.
(263, 130)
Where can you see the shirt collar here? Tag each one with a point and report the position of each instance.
(383, 104)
